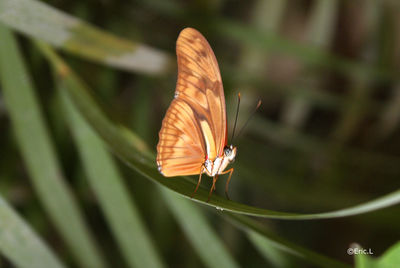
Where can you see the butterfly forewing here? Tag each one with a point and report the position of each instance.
(194, 127)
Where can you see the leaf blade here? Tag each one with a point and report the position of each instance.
(39, 154)
(201, 235)
(41, 21)
(20, 244)
(107, 183)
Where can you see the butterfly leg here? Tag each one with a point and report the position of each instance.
(215, 178)
(227, 182)
(199, 181)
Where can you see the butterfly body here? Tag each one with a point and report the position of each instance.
(193, 136)
(216, 167)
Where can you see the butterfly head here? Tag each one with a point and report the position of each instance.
(230, 153)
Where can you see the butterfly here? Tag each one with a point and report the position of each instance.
(193, 136)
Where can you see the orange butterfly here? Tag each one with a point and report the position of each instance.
(193, 136)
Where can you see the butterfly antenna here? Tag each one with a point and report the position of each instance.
(236, 118)
(250, 117)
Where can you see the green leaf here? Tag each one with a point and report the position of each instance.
(268, 250)
(389, 259)
(39, 155)
(120, 210)
(145, 164)
(43, 22)
(200, 234)
(19, 243)
(272, 240)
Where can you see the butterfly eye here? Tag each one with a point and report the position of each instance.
(227, 151)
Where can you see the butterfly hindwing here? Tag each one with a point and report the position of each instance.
(180, 150)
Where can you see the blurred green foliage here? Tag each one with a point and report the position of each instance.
(325, 138)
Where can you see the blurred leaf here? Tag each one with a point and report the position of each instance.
(322, 22)
(320, 30)
(40, 21)
(20, 245)
(307, 54)
(107, 183)
(271, 239)
(266, 16)
(389, 259)
(389, 117)
(266, 248)
(199, 233)
(39, 155)
(129, 153)
(353, 114)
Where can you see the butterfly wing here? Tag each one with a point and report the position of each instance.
(194, 127)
